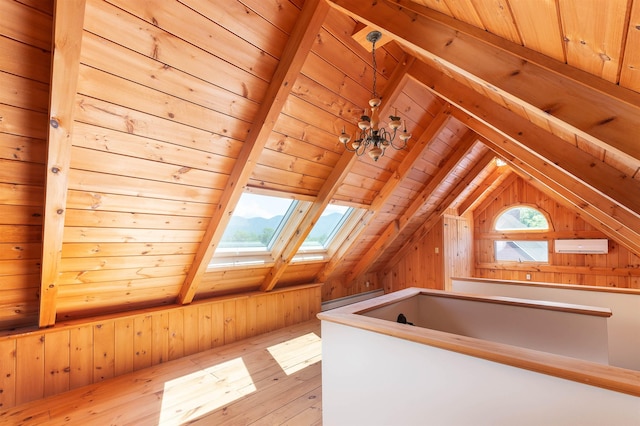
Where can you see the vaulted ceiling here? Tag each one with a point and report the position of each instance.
(124, 149)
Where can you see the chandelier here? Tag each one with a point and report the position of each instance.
(372, 139)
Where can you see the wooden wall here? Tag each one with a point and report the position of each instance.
(463, 247)
(336, 287)
(445, 252)
(45, 362)
(25, 63)
(618, 268)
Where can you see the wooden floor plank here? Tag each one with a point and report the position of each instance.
(310, 400)
(272, 378)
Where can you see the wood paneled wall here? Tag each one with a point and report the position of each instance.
(45, 362)
(336, 287)
(618, 268)
(25, 64)
(443, 253)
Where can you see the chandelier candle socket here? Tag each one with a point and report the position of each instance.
(372, 139)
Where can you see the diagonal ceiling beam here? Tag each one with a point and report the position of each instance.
(341, 170)
(328, 190)
(488, 184)
(298, 47)
(600, 186)
(463, 147)
(394, 229)
(67, 40)
(432, 131)
(546, 88)
(568, 200)
(494, 190)
(444, 204)
(598, 211)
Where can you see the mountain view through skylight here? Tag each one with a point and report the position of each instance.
(255, 221)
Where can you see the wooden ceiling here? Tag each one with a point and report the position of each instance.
(124, 149)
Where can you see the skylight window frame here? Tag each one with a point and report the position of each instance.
(332, 235)
(343, 229)
(264, 257)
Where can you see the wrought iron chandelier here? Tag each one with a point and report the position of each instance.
(372, 139)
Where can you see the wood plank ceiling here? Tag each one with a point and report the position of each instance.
(148, 120)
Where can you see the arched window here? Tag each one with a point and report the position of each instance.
(524, 227)
(521, 218)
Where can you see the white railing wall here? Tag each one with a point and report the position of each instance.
(623, 325)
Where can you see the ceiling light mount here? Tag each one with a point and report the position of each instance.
(372, 139)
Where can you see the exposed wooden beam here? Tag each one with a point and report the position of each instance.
(430, 134)
(549, 89)
(599, 185)
(298, 47)
(444, 204)
(594, 209)
(495, 179)
(283, 259)
(496, 192)
(432, 131)
(67, 41)
(463, 147)
(394, 228)
(622, 224)
(331, 185)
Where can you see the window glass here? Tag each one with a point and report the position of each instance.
(255, 223)
(522, 251)
(521, 218)
(325, 229)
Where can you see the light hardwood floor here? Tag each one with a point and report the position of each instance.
(271, 379)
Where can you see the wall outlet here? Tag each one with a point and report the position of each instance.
(528, 277)
(437, 250)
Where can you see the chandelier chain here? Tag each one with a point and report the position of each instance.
(375, 67)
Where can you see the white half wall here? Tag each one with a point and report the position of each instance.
(573, 334)
(623, 325)
(373, 379)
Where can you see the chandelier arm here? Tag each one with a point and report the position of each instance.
(398, 147)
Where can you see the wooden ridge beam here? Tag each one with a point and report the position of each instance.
(67, 40)
(439, 121)
(544, 87)
(298, 47)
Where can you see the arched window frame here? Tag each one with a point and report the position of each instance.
(524, 230)
(526, 235)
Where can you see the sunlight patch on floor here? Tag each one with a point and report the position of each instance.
(296, 354)
(196, 394)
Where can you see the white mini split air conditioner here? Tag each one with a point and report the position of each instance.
(594, 246)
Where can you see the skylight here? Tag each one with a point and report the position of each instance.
(256, 222)
(262, 225)
(326, 228)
